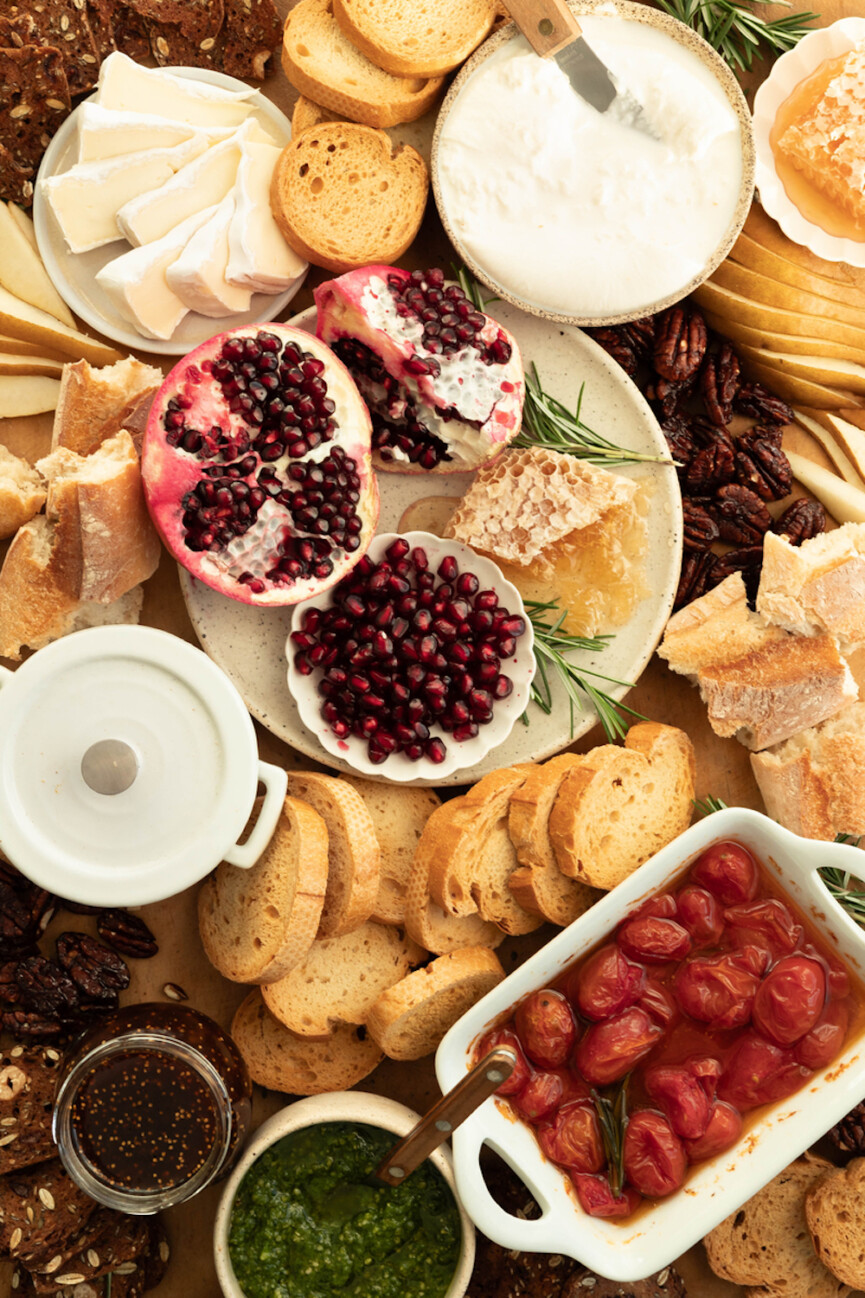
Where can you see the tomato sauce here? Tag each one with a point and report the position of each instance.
(653, 1051)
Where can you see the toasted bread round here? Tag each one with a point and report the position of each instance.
(257, 924)
(344, 196)
(340, 978)
(835, 1212)
(307, 114)
(399, 815)
(412, 40)
(281, 1061)
(409, 1019)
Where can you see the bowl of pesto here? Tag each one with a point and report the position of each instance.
(302, 1215)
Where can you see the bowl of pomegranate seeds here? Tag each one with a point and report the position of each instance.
(415, 665)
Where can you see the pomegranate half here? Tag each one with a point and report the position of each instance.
(256, 465)
(444, 382)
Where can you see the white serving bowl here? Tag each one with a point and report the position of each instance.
(715, 1188)
(398, 767)
(338, 1106)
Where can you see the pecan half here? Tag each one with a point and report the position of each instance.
(719, 383)
(22, 908)
(762, 466)
(618, 346)
(640, 334)
(681, 339)
(701, 530)
(711, 467)
(127, 934)
(800, 521)
(761, 404)
(666, 397)
(97, 971)
(26, 1023)
(680, 441)
(741, 516)
(46, 989)
(748, 561)
(696, 578)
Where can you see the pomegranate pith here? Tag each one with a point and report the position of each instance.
(443, 381)
(256, 465)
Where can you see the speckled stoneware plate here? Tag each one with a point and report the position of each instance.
(249, 643)
(690, 40)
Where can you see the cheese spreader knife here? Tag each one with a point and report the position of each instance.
(553, 32)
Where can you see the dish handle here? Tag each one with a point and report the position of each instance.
(275, 781)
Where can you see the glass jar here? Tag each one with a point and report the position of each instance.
(152, 1106)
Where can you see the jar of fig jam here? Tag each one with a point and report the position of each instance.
(152, 1106)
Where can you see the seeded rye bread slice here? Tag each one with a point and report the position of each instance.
(619, 806)
(353, 851)
(412, 40)
(835, 1212)
(399, 815)
(538, 884)
(125, 1240)
(59, 24)
(34, 100)
(16, 182)
(194, 19)
(40, 1208)
(257, 925)
(340, 978)
(242, 47)
(282, 1061)
(409, 1019)
(766, 1244)
(96, 1229)
(28, 1080)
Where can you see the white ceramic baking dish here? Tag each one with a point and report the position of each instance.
(657, 1235)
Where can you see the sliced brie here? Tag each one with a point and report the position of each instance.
(126, 85)
(136, 281)
(198, 274)
(106, 132)
(85, 199)
(259, 257)
(202, 183)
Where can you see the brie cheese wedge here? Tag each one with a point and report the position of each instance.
(198, 274)
(126, 85)
(105, 132)
(259, 258)
(202, 183)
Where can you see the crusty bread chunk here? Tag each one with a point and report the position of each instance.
(94, 404)
(766, 1244)
(323, 64)
(835, 1212)
(340, 978)
(814, 783)
(619, 806)
(818, 586)
(717, 627)
(409, 1019)
(353, 851)
(399, 815)
(281, 1061)
(344, 196)
(529, 499)
(412, 40)
(306, 113)
(22, 492)
(256, 925)
(436, 929)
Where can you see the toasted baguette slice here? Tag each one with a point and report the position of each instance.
(344, 196)
(409, 1019)
(281, 1061)
(818, 586)
(22, 492)
(766, 1244)
(322, 63)
(307, 114)
(717, 627)
(340, 978)
(353, 851)
(835, 1212)
(416, 41)
(621, 805)
(257, 925)
(539, 884)
(432, 927)
(399, 815)
(94, 404)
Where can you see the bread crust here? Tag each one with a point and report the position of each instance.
(95, 404)
(399, 815)
(22, 493)
(818, 586)
(456, 30)
(835, 1212)
(715, 628)
(432, 927)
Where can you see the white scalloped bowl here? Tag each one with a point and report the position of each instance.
(397, 767)
(792, 68)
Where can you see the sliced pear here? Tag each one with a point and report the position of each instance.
(12, 364)
(22, 347)
(763, 230)
(24, 223)
(799, 392)
(22, 272)
(771, 340)
(846, 504)
(759, 288)
(847, 436)
(25, 321)
(817, 369)
(731, 305)
(766, 262)
(836, 454)
(27, 394)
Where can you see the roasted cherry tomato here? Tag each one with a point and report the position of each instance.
(523, 1069)
(596, 1197)
(659, 1004)
(573, 1138)
(610, 1049)
(724, 1129)
(547, 1028)
(820, 1046)
(664, 906)
(575, 1088)
(606, 984)
(681, 1093)
(718, 989)
(540, 1097)
(701, 915)
(655, 1160)
(759, 1072)
(729, 873)
(764, 923)
(655, 940)
(790, 999)
(707, 1070)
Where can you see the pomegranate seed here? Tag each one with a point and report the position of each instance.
(381, 680)
(503, 687)
(448, 569)
(404, 734)
(398, 549)
(384, 616)
(419, 559)
(399, 628)
(368, 725)
(359, 684)
(481, 705)
(340, 729)
(459, 712)
(302, 640)
(486, 601)
(481, 621)
(414, 752)
(506, 646)
(382, 644)
(312, 620)
(303, 665)
(416, 675)
(458, 610)
(407, 605)
(316, 654)
(435, 751)
(486, 673)
(444, 630)
(408, 651)
(354, 606)
(485, 653)
(427, 648)
(422, 620)
(468, 731)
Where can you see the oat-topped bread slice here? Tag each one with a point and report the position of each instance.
(16, 182)
(250, 32)
(125, 1240)
(34, 100)
(28, 1079)
(63, 25)
(194, 19)
(529, 499)
(130, 33)
(40, 1207)
(100, 16)
(413, 40)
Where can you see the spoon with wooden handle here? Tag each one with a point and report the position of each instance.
(452, 1109)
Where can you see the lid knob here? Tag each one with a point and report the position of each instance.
(109, 766)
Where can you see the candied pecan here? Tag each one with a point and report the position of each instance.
(618, 347)
(801, 520)
(681, 339)
(772, 433)
(763, 466)
(640, 334)
(679, 440)
(719, 383)
(748, 561)
(26, 1023)
(126, 933)
(696, 576)
(667, 396)
(761, 404)
(97, 971)
(848, 1135)
(21, 911)
(77, 907)
(705, 433)
(10, 992)
(701, 530)
(741, 516)
(711, 467)
(46, 988)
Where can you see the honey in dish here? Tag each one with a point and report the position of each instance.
(818, 143)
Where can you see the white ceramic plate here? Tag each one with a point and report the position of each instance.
(249, 643)
(74, 274)
(790, 69)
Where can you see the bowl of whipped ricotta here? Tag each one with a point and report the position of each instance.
(573, 214)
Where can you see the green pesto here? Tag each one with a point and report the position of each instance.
(306, 1224)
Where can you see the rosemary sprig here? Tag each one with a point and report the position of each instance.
(737, 32)
(613, 1119)
(707, 805)
(551, 646)
(844, 886)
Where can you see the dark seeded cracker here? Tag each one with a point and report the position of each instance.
(251, 31)
(28, 1078)
(130, 33)
(118, 1252)
(16, 182)
(195, 20)
(40, 1207)
(63, 25)
(34, 100)
(97, 1228)
(100, 16)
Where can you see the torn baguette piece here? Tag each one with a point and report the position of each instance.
(95, 404)
(22, 492)
(818, 586)
(717, 627)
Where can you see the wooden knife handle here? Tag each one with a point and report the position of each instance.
(548, 25)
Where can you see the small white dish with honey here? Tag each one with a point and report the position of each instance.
(809, 128)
